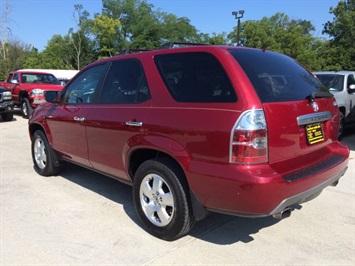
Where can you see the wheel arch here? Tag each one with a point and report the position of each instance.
(23, 94)
(33, 127)
(138, 156)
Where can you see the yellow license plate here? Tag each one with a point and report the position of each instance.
(314, 133)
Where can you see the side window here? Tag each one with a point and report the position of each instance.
(24, 78)
(82, 89)
(125, 83)
(9, 78)
(351, 80)
(195, 77)
(15, 77)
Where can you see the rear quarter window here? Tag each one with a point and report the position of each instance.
(276, 77)
(195, 77)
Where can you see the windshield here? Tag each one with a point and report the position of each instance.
(41, 78)
(334, 82)
(276, 77)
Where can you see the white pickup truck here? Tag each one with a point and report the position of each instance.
(342, 85)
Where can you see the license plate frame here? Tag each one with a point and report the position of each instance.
(314, 133)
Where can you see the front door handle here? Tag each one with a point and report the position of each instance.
(79, 119)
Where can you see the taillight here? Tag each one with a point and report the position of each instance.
(248, 144)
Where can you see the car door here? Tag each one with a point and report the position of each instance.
(117, 123)
(351, 98)
(67, 120)
(7, 84)
(14, 88)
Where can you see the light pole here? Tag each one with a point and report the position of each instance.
(238, 15)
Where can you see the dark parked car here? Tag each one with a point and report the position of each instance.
(195, 130)
(6, 105)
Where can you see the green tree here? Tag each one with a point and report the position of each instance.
(4, 39)
(56, 55)
(17, 54)
(178, 29)
(215, 39)
(83, 51)
(146, 28)
(80, 43)
(341, 30)
(281, 34)
(141, 26)
(105, 30)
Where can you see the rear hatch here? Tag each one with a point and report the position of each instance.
(302, 116)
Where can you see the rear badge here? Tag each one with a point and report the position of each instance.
(315, 107)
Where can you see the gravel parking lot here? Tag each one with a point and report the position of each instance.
(81, 217)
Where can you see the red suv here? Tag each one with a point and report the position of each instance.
(196, 129)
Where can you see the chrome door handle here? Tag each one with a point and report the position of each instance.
(79, 119)
(134, 123)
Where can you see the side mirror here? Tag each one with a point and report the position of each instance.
(14, 81)
(351, 88)
(51, 96)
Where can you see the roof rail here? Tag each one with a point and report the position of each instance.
(170, 45)
(132, 51)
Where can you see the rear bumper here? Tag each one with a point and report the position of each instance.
(258, 190)
(308, 194)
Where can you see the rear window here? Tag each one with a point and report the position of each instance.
(276, 77)
(195, 77)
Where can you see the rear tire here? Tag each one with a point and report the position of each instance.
(26, 108)
(161, 199)
(7, 117)
(44, 158)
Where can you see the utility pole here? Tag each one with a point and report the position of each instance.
(238, 15)
(4, 29)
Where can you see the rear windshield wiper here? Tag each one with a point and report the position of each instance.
(319, 94)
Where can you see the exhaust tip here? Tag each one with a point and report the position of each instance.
(282, 215)
(334, 184)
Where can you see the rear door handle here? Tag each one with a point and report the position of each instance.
(134, 123)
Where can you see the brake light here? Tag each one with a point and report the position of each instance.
(248, 144)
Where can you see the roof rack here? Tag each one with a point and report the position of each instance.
(132, 51)
(170, 45)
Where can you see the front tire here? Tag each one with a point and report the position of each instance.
(43, 156)
(26, 108)
(161, 199)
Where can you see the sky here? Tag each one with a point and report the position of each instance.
(34, 22)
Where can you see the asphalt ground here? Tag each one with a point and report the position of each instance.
(83, 218)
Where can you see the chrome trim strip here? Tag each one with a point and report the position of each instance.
(313, 118)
